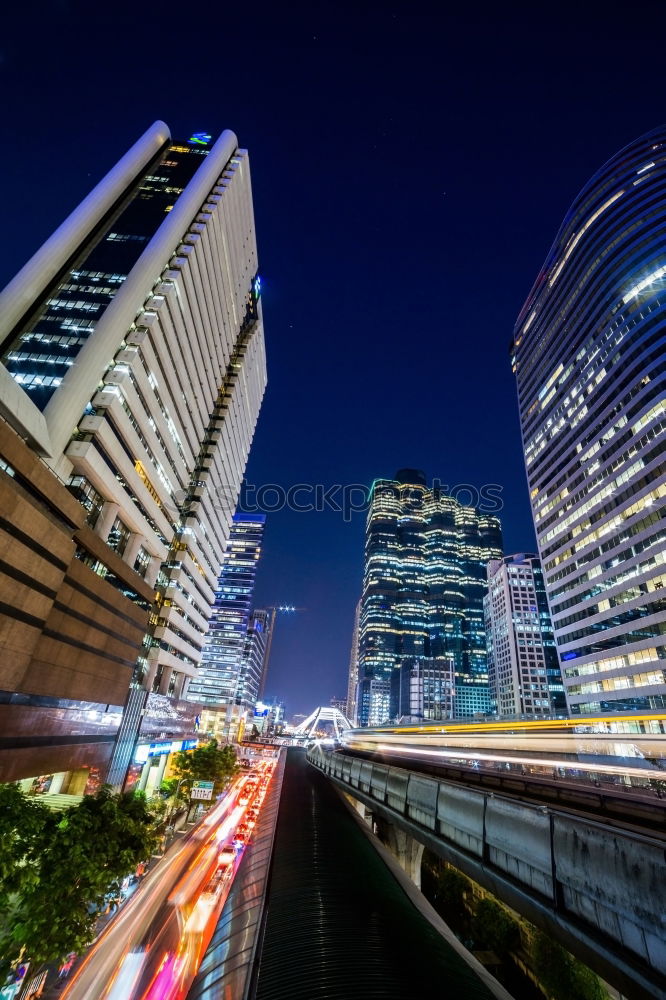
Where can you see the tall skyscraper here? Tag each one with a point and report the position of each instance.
(424, 581)
(133, 370)
(225, 685)
(523, 666)
(352, 677)
(589, 360)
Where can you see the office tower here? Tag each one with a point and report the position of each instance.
(425, 577)
(424, 689)
(352, 680)
(254, 663)
(523, 665)
(132, 372)
(220, 683)
(588, 355)
(267, 718)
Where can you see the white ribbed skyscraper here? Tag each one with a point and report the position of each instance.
(133, 362)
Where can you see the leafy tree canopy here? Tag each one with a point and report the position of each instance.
(494, 928)
(207, 762)
(562, 975)
(57, 868)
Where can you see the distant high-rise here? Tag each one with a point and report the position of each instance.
(220, 682)
(588, 354)
(253, 668)
(523, 666)
(133, 366)
(423, 688)
(352, 678)
(425, 577)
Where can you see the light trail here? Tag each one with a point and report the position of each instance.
(153, 947)
(603, 723)
(560, 763)
(605, 747)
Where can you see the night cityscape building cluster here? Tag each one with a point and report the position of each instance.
(132, 375)
(586, 620)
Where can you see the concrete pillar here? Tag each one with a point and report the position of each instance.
(152, 571)
(161, 768)
(106, 518)
(362, 810)
(58, 782)
(143, 780)
(132, 548)
(165, 680)
(180, 683)
(152, 669)
(405, 849)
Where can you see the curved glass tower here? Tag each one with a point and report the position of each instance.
(590, 362)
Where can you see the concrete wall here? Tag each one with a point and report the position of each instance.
(67, 636)
(599, 889)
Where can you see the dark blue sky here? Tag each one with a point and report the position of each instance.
(410, 172)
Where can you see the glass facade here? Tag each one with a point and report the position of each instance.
(424, 582)
(423, 689)
(254, 659)
(589, 358)
(39, 353)
(220, 680)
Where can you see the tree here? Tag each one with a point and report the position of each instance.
(207, 762)
(23, 824)
(493, 928)
(562, 975)
(450, 893)
(65, 864)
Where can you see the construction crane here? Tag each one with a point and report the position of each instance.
(274, 610)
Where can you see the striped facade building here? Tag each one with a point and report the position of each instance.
(590, 361)
(132, 374)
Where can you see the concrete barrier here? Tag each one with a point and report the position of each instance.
(518, 841)
(396, 788)
(616, 882)
(460, 817)
(378, 782)
(422, 800)
(600, 889)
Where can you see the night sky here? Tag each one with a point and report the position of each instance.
(410, 171)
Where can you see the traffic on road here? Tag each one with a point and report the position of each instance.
(152, 949)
